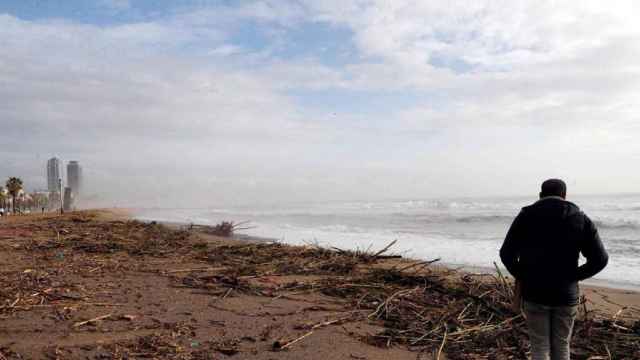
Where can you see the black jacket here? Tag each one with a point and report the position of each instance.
(542, 249)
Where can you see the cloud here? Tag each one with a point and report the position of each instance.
(226, 50)
(208, 100)
(484, 33)
(141, 112)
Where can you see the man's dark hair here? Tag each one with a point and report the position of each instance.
(553, 187)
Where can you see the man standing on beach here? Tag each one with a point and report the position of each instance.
(541, 251)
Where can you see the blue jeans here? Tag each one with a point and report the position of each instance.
(550, 330)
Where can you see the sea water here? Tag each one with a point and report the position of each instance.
(461, 232)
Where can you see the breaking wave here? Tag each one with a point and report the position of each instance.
(617, 224)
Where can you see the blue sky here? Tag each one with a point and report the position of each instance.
(421, 99)
(107, 12)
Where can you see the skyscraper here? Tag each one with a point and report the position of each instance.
(53, 174)
(74, 177)
(68, 199)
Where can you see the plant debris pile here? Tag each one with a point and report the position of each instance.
(224, 228)
(427, 309)
(274, 258)
(431, 311)
(134, 237)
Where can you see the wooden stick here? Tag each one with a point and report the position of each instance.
(14, 303)
(444, 340)
(92, 320)
(196, 269)
(425, 335)
(295, 341)
(314, 327)
(227, 293)
(28, 307)
(331, 322)
(615, 317)
(425, 263)
(385, 249)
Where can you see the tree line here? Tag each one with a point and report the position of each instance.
(12, 194)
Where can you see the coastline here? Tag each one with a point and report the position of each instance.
(603, 295)
(460, 231)
(97, 284)
(590, 283)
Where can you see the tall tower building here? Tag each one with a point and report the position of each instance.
(53, 174)
(68, 199)
(74, 177)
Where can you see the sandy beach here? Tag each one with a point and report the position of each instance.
(97, 285)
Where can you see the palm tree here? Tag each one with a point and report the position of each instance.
(14, 185)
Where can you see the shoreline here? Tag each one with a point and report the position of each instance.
(589, 283)
(604, 295)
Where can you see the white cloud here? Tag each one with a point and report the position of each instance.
(136, 112)
(501, 90)
(481, 32)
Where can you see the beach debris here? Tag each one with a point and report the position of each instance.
(279, 345)
(224, 228)
(90, 321)
(427, 309)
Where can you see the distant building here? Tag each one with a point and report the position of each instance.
(74, 177)
(54, 200)
(68, 199)
(53, 174)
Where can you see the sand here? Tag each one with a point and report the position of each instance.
(54, 284)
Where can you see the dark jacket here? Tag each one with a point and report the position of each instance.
(542, 249)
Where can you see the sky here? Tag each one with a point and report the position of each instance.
(201, 103)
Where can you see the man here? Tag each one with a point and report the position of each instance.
(541, 251)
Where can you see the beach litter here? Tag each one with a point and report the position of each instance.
(417, 305)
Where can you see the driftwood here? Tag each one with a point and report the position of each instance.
(224, 229)
(280, 346)
(78, 324)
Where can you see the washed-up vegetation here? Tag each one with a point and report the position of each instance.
(433, 311)
(430, 310)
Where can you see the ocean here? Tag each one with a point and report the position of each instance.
(461, 232)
